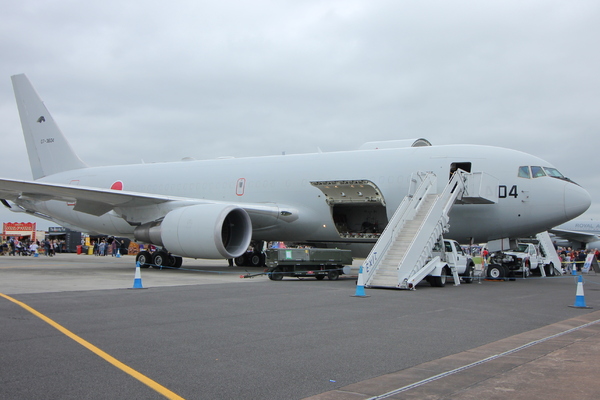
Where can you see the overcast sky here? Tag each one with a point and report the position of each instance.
(158, 81)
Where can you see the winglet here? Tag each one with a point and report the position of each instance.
(48, 149)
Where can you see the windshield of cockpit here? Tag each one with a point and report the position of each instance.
(529, 172)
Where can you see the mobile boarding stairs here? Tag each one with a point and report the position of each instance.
(402, 256)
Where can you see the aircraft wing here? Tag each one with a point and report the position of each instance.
(128, 205)
(576, 236)
(87, 199)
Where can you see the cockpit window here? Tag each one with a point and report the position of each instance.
(537, 172)
(524, 172)
(553, 172)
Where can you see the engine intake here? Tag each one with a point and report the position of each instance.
(201, 231)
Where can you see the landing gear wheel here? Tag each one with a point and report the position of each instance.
(276, 274)
(144, 258)
(176, 261)
(240, 261)
(495, 271)
(257, 260)
(161, 259)
(333, 275)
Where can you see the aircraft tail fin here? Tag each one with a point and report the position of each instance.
(48, 149)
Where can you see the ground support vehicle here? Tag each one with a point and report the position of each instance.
(317, 263)
(525, 259)
(453, 262)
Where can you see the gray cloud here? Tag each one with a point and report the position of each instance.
(158, 82)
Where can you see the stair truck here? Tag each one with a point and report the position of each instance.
(453, 262)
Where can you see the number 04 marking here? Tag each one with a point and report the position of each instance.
(503, 191)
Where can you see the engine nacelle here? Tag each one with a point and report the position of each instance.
(201, 231)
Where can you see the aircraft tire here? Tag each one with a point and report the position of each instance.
(144, 258)
(257, 260)
(240, 261)
(161, 259)
(176, 261)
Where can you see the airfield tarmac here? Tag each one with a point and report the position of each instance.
(202, 332)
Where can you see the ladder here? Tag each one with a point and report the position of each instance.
(402, 256)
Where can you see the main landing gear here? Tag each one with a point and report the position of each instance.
(158, 259)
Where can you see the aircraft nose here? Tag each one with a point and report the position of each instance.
(577, 200)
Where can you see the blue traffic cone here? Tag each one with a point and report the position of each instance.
(118, 255)
(360, 285)
(137, 281)
(579, 297)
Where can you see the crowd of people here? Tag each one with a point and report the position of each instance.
(574, 259)
(104, 247)
(26, 247)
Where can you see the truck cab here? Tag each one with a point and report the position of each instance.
(452, 256)
(525, 258)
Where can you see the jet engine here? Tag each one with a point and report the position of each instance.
(201, 231)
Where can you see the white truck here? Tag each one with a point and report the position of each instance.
(454, 262)
(524, 260)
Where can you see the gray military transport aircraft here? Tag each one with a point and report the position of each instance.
(218, 208)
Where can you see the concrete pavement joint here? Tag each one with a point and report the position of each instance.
(465, 367)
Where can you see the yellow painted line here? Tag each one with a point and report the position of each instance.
(140, 377)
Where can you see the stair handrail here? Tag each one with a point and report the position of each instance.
(440, 207)
(403, 213)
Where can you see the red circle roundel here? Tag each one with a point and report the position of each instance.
(118, 185)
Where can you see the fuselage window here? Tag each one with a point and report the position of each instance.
(524, 172)
(553, 172)
(537, 172)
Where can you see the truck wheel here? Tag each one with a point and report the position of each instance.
(495, 271)
(526, 270)
(144, 258)
(333, 275)
(319, 277)
(470, 275)
(550, 269)
(276, 274)
(439, 281)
